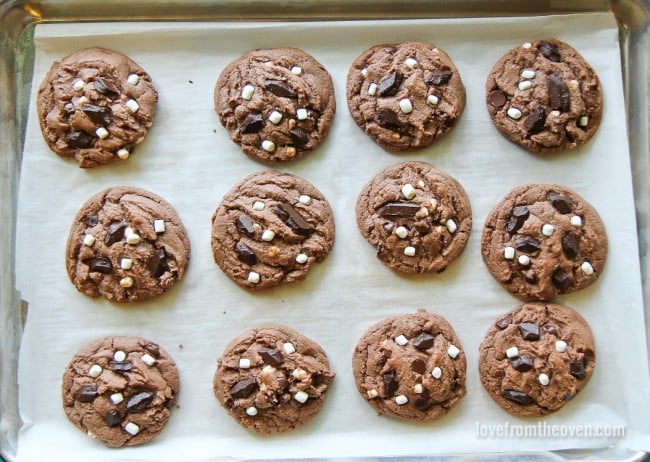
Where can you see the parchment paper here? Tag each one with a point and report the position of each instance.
(188, 159)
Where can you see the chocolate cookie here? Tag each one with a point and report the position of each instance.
(96, 105)
(417, 217)
(542, 241)
(536, 358)
(544, 96)
(270, 229)
(272, 379)
(120, 390)
(276, 103)
(127, 245)
(405, 96)
(411, 366)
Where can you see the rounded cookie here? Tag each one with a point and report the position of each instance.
(127, 245)
(270, 229)
(418, 218)
(542, 241)
(120, 390)
(276, 103)
(405, 96)
(272, 379)
(412, 367)
(536, 358)
(544, 96)
(96, 106)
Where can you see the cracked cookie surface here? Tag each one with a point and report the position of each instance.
(536, 358)
(127, 245)
(272, 379)
(120, 390)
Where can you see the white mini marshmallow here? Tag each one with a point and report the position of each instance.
(543, 379)
(402, 232)
(302, 258)
(451, 226)
(409, 251)
(119, 355)
(412, 63)
(405, 106)
(117, 398)
(268, 235)
(302, 114)
(82, 100)
(512, 352)
(132, 105)
(126, 282)
(258, 206)
(296, 70)
(560, 346)
(528, 73)
(89, 240)
(300, 374)
(133, 79)
(301, 397)
(576, 221)
(401, 400)
(421, 183)
(509, 253)
(247, 92)
(102, 133)
(268, 146)
(453, 351)
(131, 428)
(554, 113)
(78, 85)
(583, 121)
(253, 277)
(525, 85)
(372, 393)
(527, 45)
(123, 153)
(289, 348)
(275, 117)
(244, 363)
(436, 372)
(514, 113)
(418, 388)
(433, 100)
(132, 238)
(587, 268)
(408, 191)
(548, 229)
(304, 199)
(364, 72)
(95, 370)
(524, 260)
(401, 340)
(372, 89)
(268, 369)
(159, 226)
(251, 411)
(148, 359)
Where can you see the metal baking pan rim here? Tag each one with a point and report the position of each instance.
(17, 21)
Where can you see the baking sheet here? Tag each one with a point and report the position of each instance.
(188, 159)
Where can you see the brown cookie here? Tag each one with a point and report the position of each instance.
(544, 96)
(411, 367)
(272, 379)
(270, 229)
(542, 241)
(120, 390)
(276, 103)
(405, 96)
(418, 218)
(127, 245)
(96, 106)
(536, 358)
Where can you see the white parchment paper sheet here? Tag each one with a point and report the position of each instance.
(188, 159)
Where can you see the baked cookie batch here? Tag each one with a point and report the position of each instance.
(539, 242)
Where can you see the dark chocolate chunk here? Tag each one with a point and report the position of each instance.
(549, 51)
(317, 379)
(522, 363)
(139, 402)
(569, 396)
(120, 366)
(115, 233)
(243, 388)
(518, 217)
(99, 265)
(423, 401)
(398, 209)
(245, 225)
(518, 397)
(153, 349)
(529, 330)
(271, 356)
(79, 139)
(391, 384)
(577, 369)
(91, 220)
(527, 244)
(561, 279)
(87, 394)
(98, 114)
(389, 119)
(535, 120)
(106, 88)
(69, 108)
(290, 216)
(299, 137)
(280, 88)
(504, 321)
(157, 263)
(454, 383)
(253, 123)
(390, 85)
(571, 245)
(561, 203)
(439, 77)
(551, 329)
(558, 93)
(113, 418)
(423, 341)
(418, 365)
(497, 98)
(245, 253)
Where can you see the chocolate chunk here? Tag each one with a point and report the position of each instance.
(391, 384)
(153, 349)
(106, 88)
(558, 93)
(115, 233)
(535, 120)
(390, 85)
(139, 402)
(99, 265)
(253, 123)
(577, 369)
(529, 330)
(569, 396)
(418, 365)
(398, 210)
(87, 394)
(299, 137)
(454, 384)
(389, 119)
(91, 220)
(527, 244)
(504, 321)
(243, 388)
(280, 88)
(571, 245)
(518, 397)
(157, 263)
(120, 366)
(561, 203)
(69, 108)
(423, 341)
(423, 402)
(549, 51)
(497, 98)
(561, 279)
(78, 139)
(245, 253)
(271, 356)
(98, 114)
(290, 216)
(518, 217)
(439, 77)
(113, 418)
(245, 225)
(550, 329)
(522, 363)
(317, 379)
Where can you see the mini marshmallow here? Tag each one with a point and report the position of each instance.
(418, 388)
(402, 232)
(148, 359)
(132, 79)
(453, 351)
(119, 355)
(253, 277)
(560, 346)
(528, 73)
(78, 85)
(132, 238)
(126, 282)
(527, 45)
(247, 92)
(275, 117)
(433, 100)
(301, 258)
(509, 253)
(412, 63)
(372, 393)
(268, 235)
(451, 226)
(300, 374)
(525, 85)
(82, 100)
(251, 411)
(301, 397)
(123, 153)
(296, 70)
(132, 105)
(244, 363)
(268, 146)
(408, 191)
(405, 105)
(102, 133)
(512, 352)
(302, 114)
(268, 369)
(117, 398)
(372, 89)
(583, 121)
(258, 206)
(543, 379)
(401, 340)
(289, 348)
(409, 251)
(159, 226)
(547, 229)
(364, 72)
(436, 372)
(304, 199)
(89, 240)
(524, 260)
(131, 428)
(401, 400)
(95, 370)
(514, 113)
(587, 268)
(576, 221)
